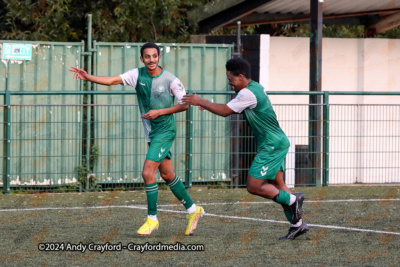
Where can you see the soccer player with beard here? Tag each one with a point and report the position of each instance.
(156, 89)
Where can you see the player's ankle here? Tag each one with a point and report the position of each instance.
(298, 224)
(152, 217)
(192, 209)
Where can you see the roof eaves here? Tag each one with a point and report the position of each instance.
(211, 9)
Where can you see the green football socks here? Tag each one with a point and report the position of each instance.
(152, 195)
(288, 214)
(283, 197)
(178, 189)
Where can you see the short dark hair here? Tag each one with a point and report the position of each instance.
(149, 45)
(238, 65)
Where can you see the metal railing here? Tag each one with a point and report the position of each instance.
(54, 147)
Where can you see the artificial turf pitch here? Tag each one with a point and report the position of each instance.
(349, 226)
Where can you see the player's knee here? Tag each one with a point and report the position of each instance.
(167, 176)
(273, 182)
(146, 175)
(252, 189)
(279, 184)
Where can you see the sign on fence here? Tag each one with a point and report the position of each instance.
(17, 51)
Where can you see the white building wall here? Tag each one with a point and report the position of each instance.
(360, 144)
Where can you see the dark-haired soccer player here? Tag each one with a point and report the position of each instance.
(156, 89)
(265, 176)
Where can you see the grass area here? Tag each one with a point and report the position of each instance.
(239, 232)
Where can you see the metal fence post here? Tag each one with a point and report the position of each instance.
(88, 109)
(325, 146)
(189, 147)
(315, 140)
(7, 135)
(88, 99)
(189, 132)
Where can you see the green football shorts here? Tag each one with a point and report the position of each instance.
(159, 150)
(266, 165)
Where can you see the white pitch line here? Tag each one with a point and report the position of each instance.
(212, 215)
(76, 208)
(275, 221)
(354, 229)
(215, 204)
(205, 204)
(355, 200)
(271, 202)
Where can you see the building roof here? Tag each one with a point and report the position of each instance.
(379, 15)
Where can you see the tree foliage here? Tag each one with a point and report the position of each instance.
(37, 20)
(391, 34)
(303, 30)
(132, 21)
(332, 31)
(113, 20)
(139, 21)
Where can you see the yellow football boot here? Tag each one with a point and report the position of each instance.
(193, 219)
(148, 227)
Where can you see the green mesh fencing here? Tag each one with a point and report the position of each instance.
(361, 145)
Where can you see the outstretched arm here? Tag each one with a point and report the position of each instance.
(104, 80)
(219, 109)
(152, 114)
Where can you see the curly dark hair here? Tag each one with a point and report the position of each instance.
(238, 66)
(149, 45)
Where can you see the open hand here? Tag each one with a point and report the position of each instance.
(79, 73)
(194, 100)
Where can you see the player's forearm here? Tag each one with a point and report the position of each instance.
(104, 80)
(219, 109)
(174, 109)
